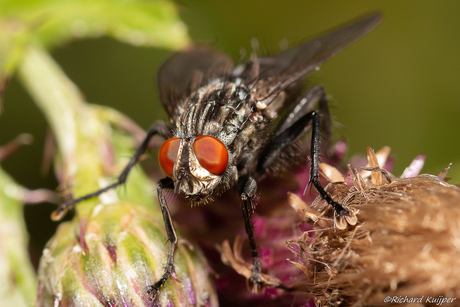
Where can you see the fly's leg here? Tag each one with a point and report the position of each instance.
(297, 123)
(315, 97)
(313, 118)
(247, 190)
(172, 238)
(159, 128)
(314, 168)
(325, 119)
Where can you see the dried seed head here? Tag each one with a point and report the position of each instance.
(405, 243)
(400, 239)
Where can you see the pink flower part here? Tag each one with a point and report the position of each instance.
(304, 226)
(191, 296)
(348, 179)
(415, 167)
(266, 255)
(271, 292)
(357, 161)
(389, 163)
(340, 150)
(83, 227)
(259, 225)
(442, 175)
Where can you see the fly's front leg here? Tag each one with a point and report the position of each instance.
(159, 128)
(172, 238)
(247, 190)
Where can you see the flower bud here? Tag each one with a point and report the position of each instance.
(111, 257)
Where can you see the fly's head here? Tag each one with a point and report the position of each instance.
(198, 166)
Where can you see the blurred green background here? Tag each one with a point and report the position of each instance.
(397, 87)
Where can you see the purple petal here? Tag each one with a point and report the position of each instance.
(415, 167)
(389, 164)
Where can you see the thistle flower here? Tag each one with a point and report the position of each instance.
(116, 245)
(313, 259)
(403, 249)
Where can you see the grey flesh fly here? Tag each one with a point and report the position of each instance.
(230, 125)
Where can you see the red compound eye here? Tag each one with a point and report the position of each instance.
(211, 153)
(168, 155)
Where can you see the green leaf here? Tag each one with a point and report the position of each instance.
(12, 39)
(147, 23)
(18, 283)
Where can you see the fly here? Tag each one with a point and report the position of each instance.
(230, 125)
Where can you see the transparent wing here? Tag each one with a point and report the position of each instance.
(286, 67)
(187, 70)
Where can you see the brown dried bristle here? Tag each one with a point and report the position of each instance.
(406, 244)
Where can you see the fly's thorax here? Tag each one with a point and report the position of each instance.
(221, 102)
